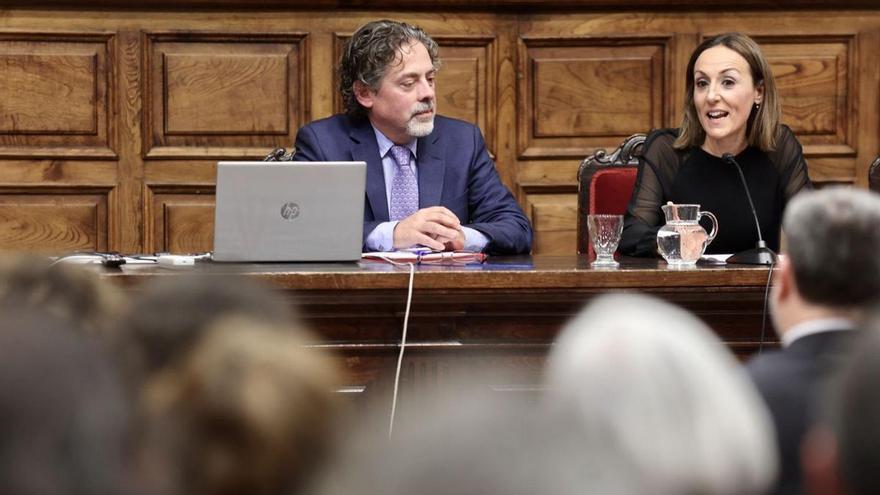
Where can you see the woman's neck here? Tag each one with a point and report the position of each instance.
(718, 148)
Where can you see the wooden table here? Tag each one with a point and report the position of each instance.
(496, 320)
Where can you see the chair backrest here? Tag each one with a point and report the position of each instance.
(605, 184)
(874, 175)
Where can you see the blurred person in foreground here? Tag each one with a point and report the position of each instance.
(841, 453)
(64, 421)
(170, 315)
(474, 444)
(221, 411)
(70, 292)
(829, 276)
(731, 106)
(246, 410)
(430, 179)
(652, 384)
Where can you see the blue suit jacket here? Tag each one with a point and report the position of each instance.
(455, 171)
(792, 382)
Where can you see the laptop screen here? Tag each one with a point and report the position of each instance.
(289, 211)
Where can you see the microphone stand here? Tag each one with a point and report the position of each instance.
(761, 254)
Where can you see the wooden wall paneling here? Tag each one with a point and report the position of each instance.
(489, 5)
(466, 83)
(127, 226)
(49, 93)
(867, 105)
(223, 95)
(322, 69)
(57, 173)
(683, 47)
(505, 103)
(58, 139)
(339, 40)
(55, 94)
(815, 79)
(137, 105)
(185, 172)
(581, 93)
(577, 95)
(554, 220)
(556, 174)
(181, 219)
(53, 220)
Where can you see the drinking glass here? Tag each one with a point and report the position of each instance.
(605, 233)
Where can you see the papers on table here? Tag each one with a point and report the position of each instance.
(425, 257)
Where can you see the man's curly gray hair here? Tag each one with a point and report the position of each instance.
(369, 53)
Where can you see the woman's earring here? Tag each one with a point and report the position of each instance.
(757, 106)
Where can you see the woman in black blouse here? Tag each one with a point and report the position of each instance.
(731, 106)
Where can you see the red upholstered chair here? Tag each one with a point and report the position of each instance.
(874, 175)
(605, 184)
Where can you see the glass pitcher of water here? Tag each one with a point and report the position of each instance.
(683, 240)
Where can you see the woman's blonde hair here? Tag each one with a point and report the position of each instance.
(763, 124)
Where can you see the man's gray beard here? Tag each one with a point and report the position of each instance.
(419, 128)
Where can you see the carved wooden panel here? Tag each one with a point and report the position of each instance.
(815, 78)
(181, 219)
(197, 106)
(53, 221)
(33, 88)
(554, 220)
(465, 85)
(580, 94)
(223, 95)
(55, 95)
(395, 6)
(123, 100)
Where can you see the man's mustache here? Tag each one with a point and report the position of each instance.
(422, 107)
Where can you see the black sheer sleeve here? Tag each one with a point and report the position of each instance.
(657, 168)
(789, 160)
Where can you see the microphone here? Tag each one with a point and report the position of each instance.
(761, 254)
(280, 155)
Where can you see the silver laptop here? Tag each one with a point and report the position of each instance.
(290, 211)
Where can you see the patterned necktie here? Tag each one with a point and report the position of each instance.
(404, 187)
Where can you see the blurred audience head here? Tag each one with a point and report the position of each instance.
(70, 292)
(833, 241)
(170, 314)
(762, 121)
(471, 444)
(63, 419)
(830, 268)
(653, 384)
(248, 410)
(841, 454)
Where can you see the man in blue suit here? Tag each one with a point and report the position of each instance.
(823, 286)
(430, 180)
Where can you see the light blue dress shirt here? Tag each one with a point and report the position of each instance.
(382, 237)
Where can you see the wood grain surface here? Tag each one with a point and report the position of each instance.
(136, 107)
(491, 324)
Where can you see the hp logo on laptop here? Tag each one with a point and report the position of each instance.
(289, 211)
